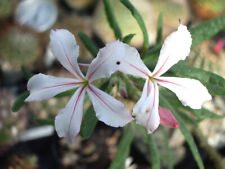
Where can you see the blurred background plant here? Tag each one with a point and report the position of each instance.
(26, 132)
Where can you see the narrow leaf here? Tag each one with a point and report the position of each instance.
(213, 82)
(20, 101)
(168, 149)
(159, 29)
(140, 22)
(66, 93)
(45, 121)
(112, 20)
(207, 29)
(88, 123)
(88, 43)
(154, 152)
(187, 119)
(205, 113)
(185, 132)
(152, 55)
(123, 148)
(127, 39)
(26, 73)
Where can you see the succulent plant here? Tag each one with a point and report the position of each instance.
(19, 47)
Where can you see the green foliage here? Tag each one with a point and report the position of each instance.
(20, 101)
(112, 20)
(123, 148)
(185, 132)
(66, 93)
(127, 39)
(133, 92)
(139, 20)
(151, 55)
(154, 152)
(88, 123)
(26, 73)
(168, 149)
(214, 83)
(159, 30)
(44, 121)
(88, 43)
(207, 29)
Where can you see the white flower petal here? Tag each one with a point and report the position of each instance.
(189, 91)
(117, 56)
(43, 87)
(176, 47)
(64, 47)
(37, 14)
(146, 110)
(68, 121)
(109, 110)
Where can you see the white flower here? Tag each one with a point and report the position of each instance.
(175, 48)
(68, 121)
(37, 14)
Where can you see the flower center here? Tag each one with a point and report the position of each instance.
(151, 78)
(85, 83)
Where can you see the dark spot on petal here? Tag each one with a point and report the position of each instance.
(118, 62)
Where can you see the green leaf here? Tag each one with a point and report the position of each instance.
(88, 123)
(140, 22)
(112, 20)
(168, 149)
(127, 39)
(204, 113)
(88, 43)
(20, 101)
(187, 119)
(213, 82)
(133, 92)
(154, 152)
(45, 121)
(26, 73)
(185, 132)
(152, 55)
(123, 148)
(207, 29)
(159, 30)
(66, 93)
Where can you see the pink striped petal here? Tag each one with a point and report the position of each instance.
(189, 91)
(108, 110)
(117, 56)
(68, 121)
(64, 47)
(43, 87)
(167, 119)
(146, 110)
(175, 48)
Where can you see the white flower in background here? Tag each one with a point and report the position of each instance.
(68, 121)
(175, 48)
(37, 14)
